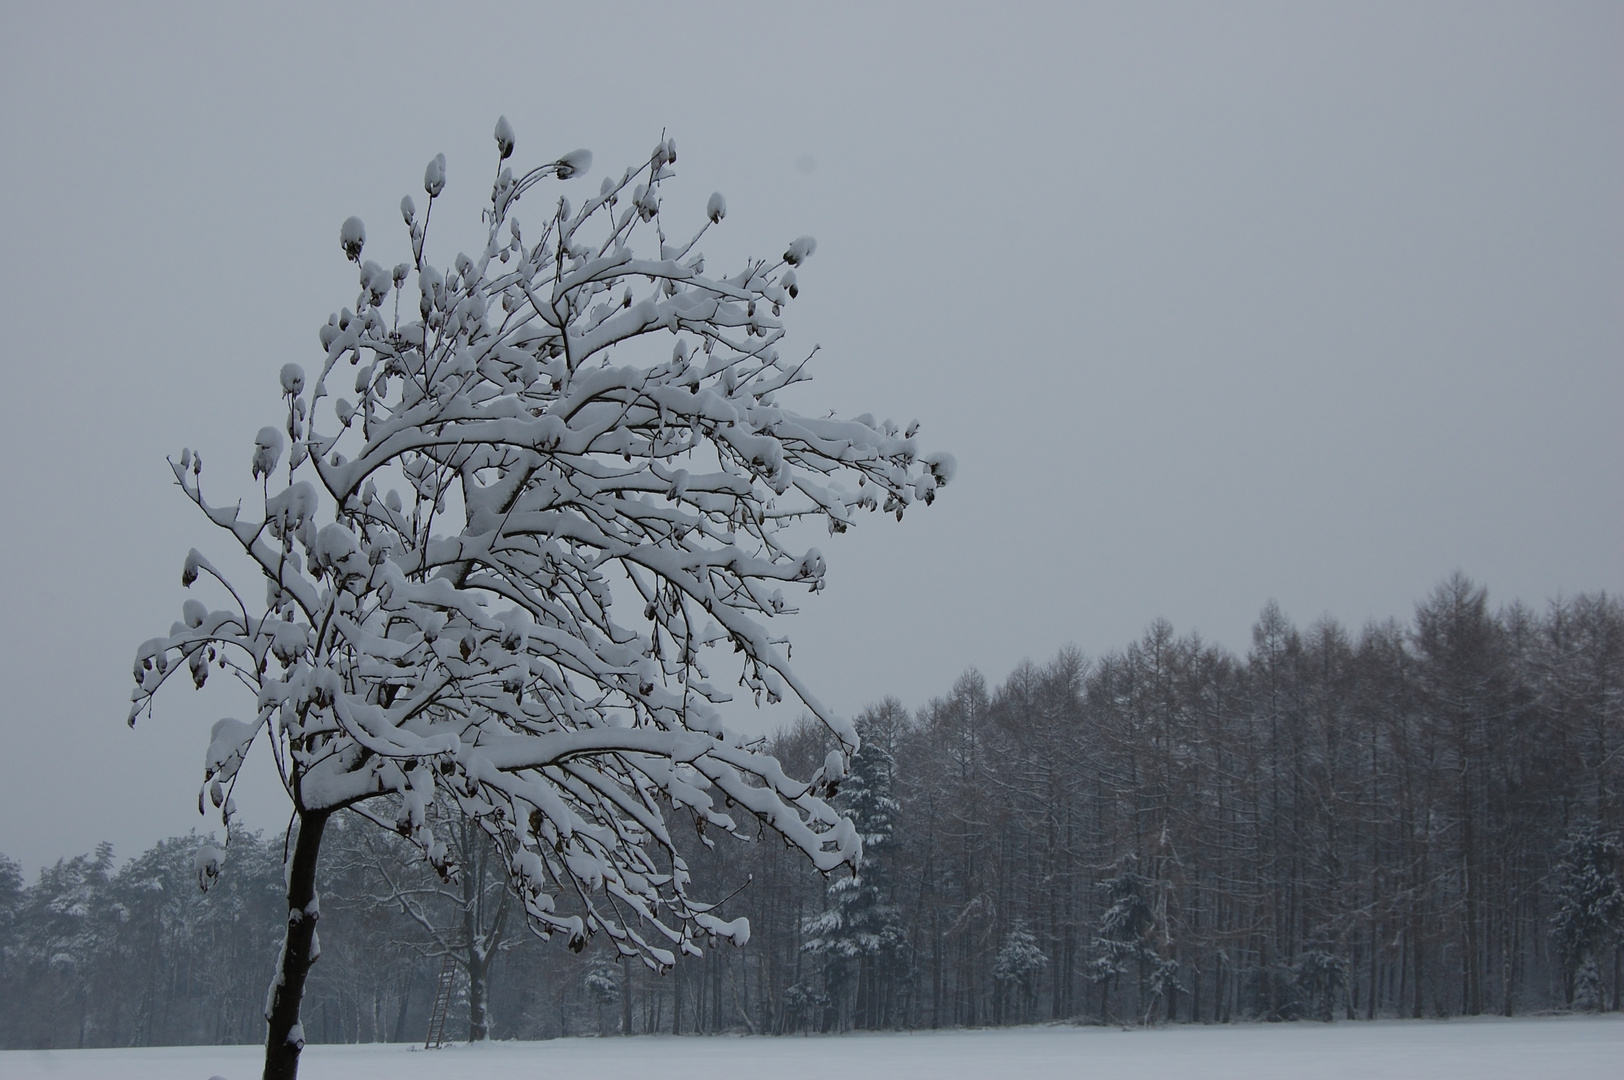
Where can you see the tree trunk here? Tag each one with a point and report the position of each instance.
(479, 968)
(405, 1003)
(676, 999)
(284, 1036)
(625, 995)
(1618, 952)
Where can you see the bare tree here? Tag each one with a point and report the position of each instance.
(466, 919)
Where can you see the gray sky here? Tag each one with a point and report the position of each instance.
(1213, 303)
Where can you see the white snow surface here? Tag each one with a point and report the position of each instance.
(1484, 1049)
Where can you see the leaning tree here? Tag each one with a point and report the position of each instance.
(561, 424)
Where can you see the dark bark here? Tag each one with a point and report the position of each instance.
(481, 933)
(626, 996)
(283, 1041)
(478, 1001)
(399, 1034)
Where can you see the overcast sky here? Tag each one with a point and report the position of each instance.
(1213, 303)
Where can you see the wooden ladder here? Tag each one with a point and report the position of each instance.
(442, 1004)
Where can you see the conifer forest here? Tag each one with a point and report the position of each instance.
(1415, 819)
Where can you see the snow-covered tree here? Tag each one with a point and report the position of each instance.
(603, 989)
(1317, 974)
(860, 933)
(450, 521)
(1016, 968)
(1589, 915)
(1128, 931)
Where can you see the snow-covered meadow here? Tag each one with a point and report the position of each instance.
(1518, 1049)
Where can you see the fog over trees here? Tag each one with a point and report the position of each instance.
(1416, 819)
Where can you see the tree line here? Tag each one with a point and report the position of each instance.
(1415, 820)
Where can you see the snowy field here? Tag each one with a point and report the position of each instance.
(1548, 1047)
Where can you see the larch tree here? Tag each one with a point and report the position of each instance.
(560, 424)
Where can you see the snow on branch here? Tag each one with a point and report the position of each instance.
(509, 517)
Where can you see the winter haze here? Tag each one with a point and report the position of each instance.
(1212, 306)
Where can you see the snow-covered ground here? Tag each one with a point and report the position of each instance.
(1545, 1048)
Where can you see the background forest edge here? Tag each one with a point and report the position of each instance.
(1358, 827)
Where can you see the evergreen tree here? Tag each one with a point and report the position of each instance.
(1316, 975)
(1126, 941)
(1016, 968)
(603, 989)
(1589, 914)
(860, 933)
(11, 971)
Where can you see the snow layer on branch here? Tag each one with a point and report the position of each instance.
(267, 451)
(599, 477)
